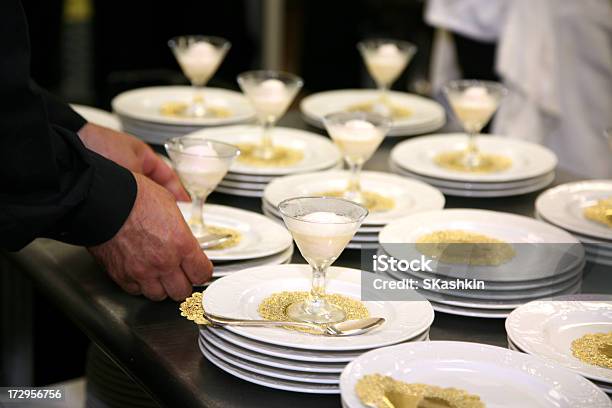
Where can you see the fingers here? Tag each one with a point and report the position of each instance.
(158, 171)
(153, 290)
(176, 284)
(197, 266)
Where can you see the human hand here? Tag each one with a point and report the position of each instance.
(154, 252)
(133, 154)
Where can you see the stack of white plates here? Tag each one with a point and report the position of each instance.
(98, 116)
(409, 197)
(478, 369)
(548, 261)
(564, 207)
(546, 329)
(247, 180)
(262, 241)
(532, 165)
(291, 360)
(139, 111)
(427, 115)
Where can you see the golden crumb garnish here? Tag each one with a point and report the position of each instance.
(234, 239)
(397, 111)
(374, 202)
(381, 390)
(595, 349)
(601, 212)
(282, 156)
(191, 308)
(274, 307)
(464, 247)
(181, 110)
(489, 163)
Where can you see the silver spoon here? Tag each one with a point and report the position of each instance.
(346, 328)
(212, 240)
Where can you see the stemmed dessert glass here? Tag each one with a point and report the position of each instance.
(270, 93)
(321, 227)
(385, 60)
(200, 164)
(473, 102)
(357, 135)
(199, 57)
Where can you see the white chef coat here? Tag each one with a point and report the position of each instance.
(555, 56)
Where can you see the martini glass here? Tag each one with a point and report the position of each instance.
(321, 227)
(270, 93)
(200, 164)
(357, 135)
(473, 102)
(385, 60)
(199, 57)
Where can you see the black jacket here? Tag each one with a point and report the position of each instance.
(50, 184)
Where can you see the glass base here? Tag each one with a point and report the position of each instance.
(355, 196)
(264, 152)
(198, 230)
(198, 110)
(471, 160)
(321, 312)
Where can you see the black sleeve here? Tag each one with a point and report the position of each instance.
(59, 112)
(50, 184)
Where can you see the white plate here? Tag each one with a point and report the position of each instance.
(268, 360)
(545, 288)
(239, 295)
(307, 377)
(479, 369)
(501, 193)
(564, 205)
(604, 386)
(492, 286)
(243, 185)
(409, 196)
(97, 116)
(294, 354)
(319, 151)
(476, 186)
(239, 192)
(269, 382)
(260, 236)
(144, 104)
(226, 268)
(427, 116)
(468, 190)
(156, 138)
(547, 328)
(598, 259)
(470, 312)
(246, 178)
(528, 159)
(570, 287)
(527, 264)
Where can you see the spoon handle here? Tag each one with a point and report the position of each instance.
(227, 321)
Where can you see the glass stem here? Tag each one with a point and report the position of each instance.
(384, 94)
(353, 190)
(317, 292)
(199, 106)
(196, 221)
(266, 149)
(472, 151)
